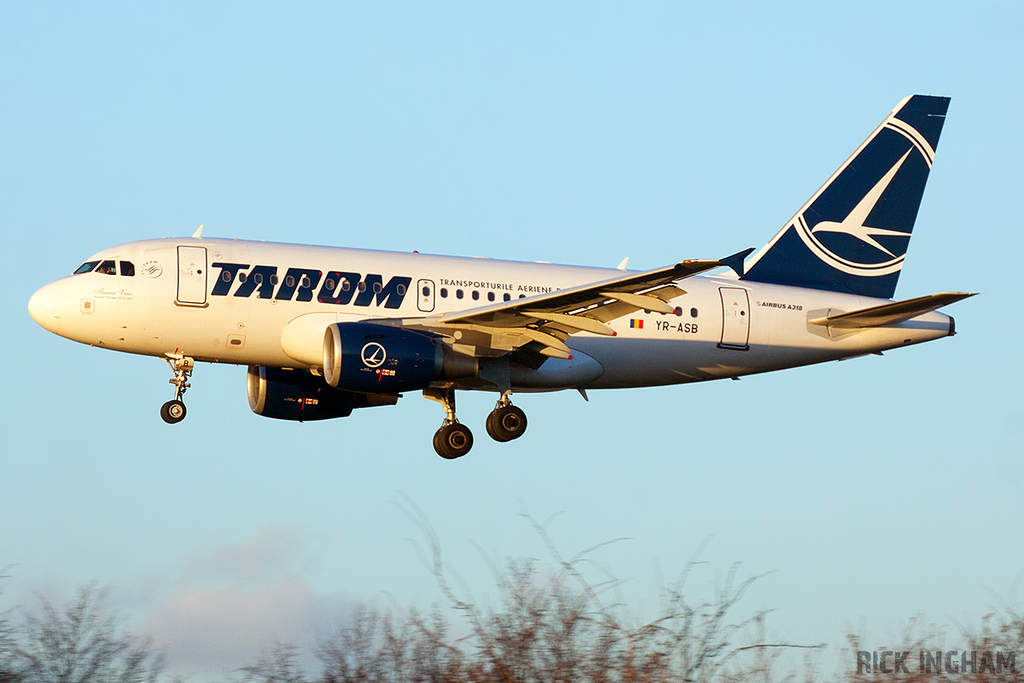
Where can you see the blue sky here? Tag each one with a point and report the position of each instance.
(875, 489)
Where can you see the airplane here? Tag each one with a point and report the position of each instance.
(327, 330)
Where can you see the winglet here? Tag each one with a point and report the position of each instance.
(622, 266)
(198, 233)
(736, 260)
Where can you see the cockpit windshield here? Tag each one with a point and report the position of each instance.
(107, 268)
(86, 267)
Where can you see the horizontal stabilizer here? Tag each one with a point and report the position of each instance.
(890, 314)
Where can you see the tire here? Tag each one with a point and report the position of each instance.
(506, 423)
(453, 441)
(173, 412)
(493, 429)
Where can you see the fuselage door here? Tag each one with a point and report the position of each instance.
(192, 276)
(425, 295)
(735, 318)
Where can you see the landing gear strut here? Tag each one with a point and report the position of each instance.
(453, 439)
(506, 422)
(173, 411)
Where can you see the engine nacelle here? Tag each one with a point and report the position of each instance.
(371, 358)
(299, 395)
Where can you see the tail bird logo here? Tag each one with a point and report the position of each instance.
(873, 257)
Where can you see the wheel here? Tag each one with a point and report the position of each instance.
(493, 429)
(453, 441)
(173, 412)
(506, 423)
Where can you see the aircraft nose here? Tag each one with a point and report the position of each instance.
(47, 306)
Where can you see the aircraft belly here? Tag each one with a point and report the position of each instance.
(556, 373)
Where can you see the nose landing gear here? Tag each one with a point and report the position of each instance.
(173, 411)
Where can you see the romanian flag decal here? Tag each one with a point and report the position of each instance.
(636, 324)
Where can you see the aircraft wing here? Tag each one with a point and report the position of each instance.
(543, 322)
(890, 314)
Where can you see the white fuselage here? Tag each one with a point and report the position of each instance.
(231, 301)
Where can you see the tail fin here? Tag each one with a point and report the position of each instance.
(852, 235)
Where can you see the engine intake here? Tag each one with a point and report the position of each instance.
(371, 358)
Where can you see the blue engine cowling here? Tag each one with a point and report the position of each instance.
(371, 358)
(299, 395)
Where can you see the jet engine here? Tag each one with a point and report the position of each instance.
(370, 358)
(300, 395)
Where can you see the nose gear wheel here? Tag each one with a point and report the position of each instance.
(174, 411)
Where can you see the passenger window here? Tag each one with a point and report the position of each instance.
(444, 293)
(426, 291)
(127, 269)
(107, 268)
(693, 312)
(476, 295)
(507, 297)
(490, 296)
(458, 293)
(86, 267)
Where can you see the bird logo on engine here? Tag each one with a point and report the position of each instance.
(373, 355)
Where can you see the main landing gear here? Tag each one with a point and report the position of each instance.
(506, 422)
(173, 411)
(454, 439)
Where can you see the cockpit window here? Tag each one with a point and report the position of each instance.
(107, 268)
(86, 267)
(127, 269)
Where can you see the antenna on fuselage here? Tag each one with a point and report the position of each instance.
(198, 233)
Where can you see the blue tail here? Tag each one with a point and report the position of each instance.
(852, 235)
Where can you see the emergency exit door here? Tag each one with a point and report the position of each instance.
(735, 318)
(425, 295)
(192, 276)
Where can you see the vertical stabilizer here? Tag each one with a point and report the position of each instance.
(852, 235)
